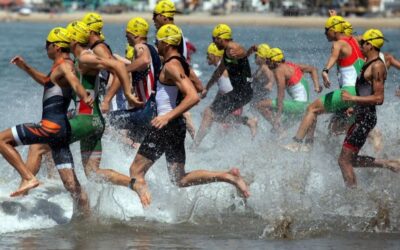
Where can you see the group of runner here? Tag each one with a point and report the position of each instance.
(149, 92)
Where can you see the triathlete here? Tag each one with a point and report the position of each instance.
(235, 61)
(290, 78)
(175, 95)
(54, 128)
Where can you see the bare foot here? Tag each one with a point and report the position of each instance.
(239, 182)
(25, 186)
(393, 165)
(252, 123)
(140, 187)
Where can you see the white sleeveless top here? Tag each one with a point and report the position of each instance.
(166, 96)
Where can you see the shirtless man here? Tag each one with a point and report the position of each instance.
(175, 95)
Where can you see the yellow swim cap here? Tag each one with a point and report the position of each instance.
(347, 28)
(93, 21)
(275, 55)
(262, 50)
(129, 52)
(374, 37)
(222, 31)
(79, 32)
(59, 36)
(165, 8)
(137, 27)
(335, 23)
(213, 50)
(170, 34)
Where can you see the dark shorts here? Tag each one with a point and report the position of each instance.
(126, 119)
(136, 121)
(358, 133)
(169, 140)
(225, 104)
(54, 133)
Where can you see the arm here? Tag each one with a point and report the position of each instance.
(378, 75)
(142, 59)
(94, 62)
(271, 78)
(392, 61)
(38, 76)
(336, 47)
(69, 73)
(314, 75)
(235, 51)
(215, 76)
(251, 50)
(174, 72)
(196, 81)
(281, 82)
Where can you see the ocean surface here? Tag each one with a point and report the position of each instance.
(298, 200)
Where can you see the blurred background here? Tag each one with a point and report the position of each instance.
(381, 8)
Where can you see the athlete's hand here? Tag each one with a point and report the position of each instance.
(160, 121)
(89, 101)
(346, 96)
(134, 101)
(105, 107)
(252, 49)
(325, 78)
(349, 112)
(19, 61)
(332, 12)
(318, 89)
(203, 93)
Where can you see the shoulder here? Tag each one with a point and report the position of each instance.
(173, 65)
(378, 66)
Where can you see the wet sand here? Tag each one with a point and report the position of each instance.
(264, 19)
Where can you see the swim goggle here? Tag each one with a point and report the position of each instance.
(362, 42)
(156, 14)
(50, 43)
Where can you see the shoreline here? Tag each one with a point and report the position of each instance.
(246, 19)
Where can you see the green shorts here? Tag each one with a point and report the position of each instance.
(291, 106)
(333, 101)
(88, 129)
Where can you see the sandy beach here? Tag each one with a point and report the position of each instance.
(264, 19)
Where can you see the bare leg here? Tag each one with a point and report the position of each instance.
(376, 139)
(138, 169)
(264, 107)
(309, 121)
(79, 196)
(345, 161)
(189, 124)
(370, 162)
(206, 122)
(91, 163)
(14, 158)
(35, 153)
(182, 179)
